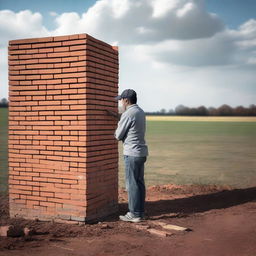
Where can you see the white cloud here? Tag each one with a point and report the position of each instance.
(218, 50)
(20, 25)
(23, 24)
(142, 21)
(162, 7)
(228, 47)
(188, 7)
(167, 86)
(173, 50)
(248, 28)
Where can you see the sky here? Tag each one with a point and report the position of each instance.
(171, 52)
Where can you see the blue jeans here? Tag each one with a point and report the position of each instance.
(135, 185)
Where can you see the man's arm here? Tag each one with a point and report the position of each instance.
(123, 126)
(114, 114)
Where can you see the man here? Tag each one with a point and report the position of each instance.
(131, 131)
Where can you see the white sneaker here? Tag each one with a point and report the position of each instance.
(129, 217)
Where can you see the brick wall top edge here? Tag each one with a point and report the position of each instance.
(47, 39)
(31, 40)
(101, 42)
(60, 38)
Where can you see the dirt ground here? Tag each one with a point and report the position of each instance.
(222, 222)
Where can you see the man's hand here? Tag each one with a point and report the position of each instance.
(112, 113)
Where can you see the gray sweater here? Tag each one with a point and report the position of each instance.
(131, 130)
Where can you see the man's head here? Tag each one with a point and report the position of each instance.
(127, 98)
(128, 95)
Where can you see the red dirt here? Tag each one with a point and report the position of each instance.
(222, 220)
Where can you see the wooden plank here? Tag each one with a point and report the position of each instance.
(142, 227)
(170, 226)
(159, 232)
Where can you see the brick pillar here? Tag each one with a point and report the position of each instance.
(63, 158)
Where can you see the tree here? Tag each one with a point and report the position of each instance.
(212, 111)
(181, 110)
(163, 111)
(171, 112)
(252, 110)
(4, 103)
(202, 111)
(225, 110)
(241, 111)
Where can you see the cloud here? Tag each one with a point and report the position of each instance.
(173, 49)
(143, 21)
(23, 24)
(20, 25)
(218, 50)
(228, 47)
(177, 32)
(246, 42)
(166, 86)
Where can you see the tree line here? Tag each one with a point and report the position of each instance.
(181, 110)
(223, 110)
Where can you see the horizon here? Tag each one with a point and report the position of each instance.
(171, 111)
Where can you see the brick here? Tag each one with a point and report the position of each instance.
(45, 50)
(61, 49)
(53, 81)
(11, 231)
(13, 47)
(69, 91)
(62, 153)
(25, 46)
(58, 54)
(61, 38)
(62, 65)
(32, 51)
(75, 42)
(78, 47)
(61, 97)
(49, 204)
(50, 71)
(69, 80)
(50, 60)
(46, 76)
(78, 64)
(78, 53)
(61, 143)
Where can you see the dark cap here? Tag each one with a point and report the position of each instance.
(127, 94)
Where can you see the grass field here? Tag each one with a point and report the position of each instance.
(203, 118)
(3, 149)
(200, 150)
(185, 150)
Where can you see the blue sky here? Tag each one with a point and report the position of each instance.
(233, 12)
(47, 6)
(190, 52)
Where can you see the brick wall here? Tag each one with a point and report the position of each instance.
(63, 158)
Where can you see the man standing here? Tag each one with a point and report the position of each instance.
(131, 131)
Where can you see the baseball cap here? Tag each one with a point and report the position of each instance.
(127, 94)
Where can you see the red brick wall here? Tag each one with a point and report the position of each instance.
(63, 158)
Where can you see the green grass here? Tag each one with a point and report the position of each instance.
(183, 152)
(3, 149)
(200, 153)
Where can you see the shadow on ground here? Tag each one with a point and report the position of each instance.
(182, 206)
(198, 203)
